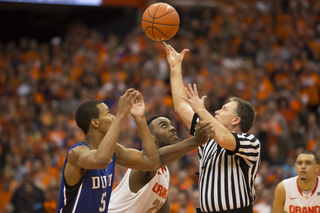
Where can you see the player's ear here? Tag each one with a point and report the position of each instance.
(154, 138)
(95, 123)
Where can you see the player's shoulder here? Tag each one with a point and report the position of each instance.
(78, 149)
(291, 179)
(289, 182)
(280, 187)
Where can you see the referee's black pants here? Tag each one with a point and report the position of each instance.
(247, 209)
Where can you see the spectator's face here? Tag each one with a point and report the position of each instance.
(306, 166)
(227, 115)
(105, 118)
(163, 131)
(28, 188)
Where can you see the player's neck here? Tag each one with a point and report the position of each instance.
(307, 184)
(93, 140)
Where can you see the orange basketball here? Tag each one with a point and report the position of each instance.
(160, 21)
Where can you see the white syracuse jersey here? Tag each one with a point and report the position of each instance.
(148, 199)
(297, 202)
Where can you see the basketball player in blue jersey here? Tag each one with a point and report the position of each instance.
(87, 175)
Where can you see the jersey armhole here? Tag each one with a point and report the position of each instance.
(229, 152)
(195, 120)
(68, 187)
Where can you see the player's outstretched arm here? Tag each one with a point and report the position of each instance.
(83, 157)
(220, 133)
(177, 86)
(279, 199)
(171, 153)
(148, 159)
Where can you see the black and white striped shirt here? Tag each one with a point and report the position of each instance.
(227, 178)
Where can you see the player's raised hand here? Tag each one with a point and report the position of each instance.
(138, 107)
(193, 98)
(126, 101)
(174, 58)
(204, 131)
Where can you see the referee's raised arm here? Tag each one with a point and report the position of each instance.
(177, 86)
(229, 161)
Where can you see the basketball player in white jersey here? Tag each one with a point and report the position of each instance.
(300, 193)
(147, 191)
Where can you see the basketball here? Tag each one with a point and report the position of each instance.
(160, 21)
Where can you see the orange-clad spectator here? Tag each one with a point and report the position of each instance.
(35, 72)
(31, 53)
(273, 123)
(7, 187)
(28, 197)
(184, 203)
(314, 143)
(40, 175)
(57, 135)
(264, 85)
(310, 83)
(284, 28)
(301, 27)
(312, 126)
(43, 144)
(173, 198)
(52, 193)
(285, 110)
(296, 106)
(193, 200)
(283, 77)
(185, 182)
(43, 175)
(60, 155)
(76, 71)
(264, 204)
(54, 69)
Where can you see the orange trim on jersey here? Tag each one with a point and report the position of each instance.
(314, 189)
(299, 187)
(316, 186)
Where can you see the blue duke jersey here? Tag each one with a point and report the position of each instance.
(91, 194)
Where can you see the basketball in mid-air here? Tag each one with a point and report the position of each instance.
(160, 21)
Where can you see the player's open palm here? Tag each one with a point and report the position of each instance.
(193, 99)
(173, 57)
(204, 130)
(138, 107)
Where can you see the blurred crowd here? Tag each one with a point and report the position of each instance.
(264, 51)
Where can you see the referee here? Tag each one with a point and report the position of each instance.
(229, 161)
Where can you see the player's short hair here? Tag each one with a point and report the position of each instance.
(149, 121)
(310, 153)
(87, 111)
(152, 118)
(246, 112)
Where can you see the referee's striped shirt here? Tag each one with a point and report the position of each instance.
(226, 180)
